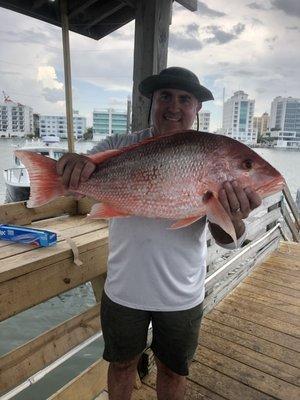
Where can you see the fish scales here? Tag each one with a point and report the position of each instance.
(161, 178)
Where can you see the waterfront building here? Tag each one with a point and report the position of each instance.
(109, 121)
(57, 125)
(285, 139)
(261, 124)
(16, 120)
(204, 121)
(238, 118)
(285, 115)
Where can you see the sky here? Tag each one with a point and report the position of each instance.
(230, 45)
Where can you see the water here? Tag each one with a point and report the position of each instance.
(27, 325)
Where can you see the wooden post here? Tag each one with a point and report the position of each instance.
(67, 72)
(150, 51)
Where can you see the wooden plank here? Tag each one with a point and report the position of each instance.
(239, 321)
(268, 293)
(282, 265)
(265, 385)
(255, 299)
(223, 384)
(98, 286)
(293, 228)
(19, 364)
(85, 386)
(23, 292)
(261, 282)
(241, 270)
(252, 358)
(63, 232)
(152, 20)
(287, 246)
(193, 391)
(19, 214)
(145, 393)
(292, 205)
(39, 258)
(248, 339)
(262, 308)
(189, 4)
(254, 314)
(277, 278)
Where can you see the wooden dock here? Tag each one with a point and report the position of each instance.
(250, 336)
(249, 344)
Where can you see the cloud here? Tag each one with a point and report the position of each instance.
(26, 36)
(271, 41)
(257, 6)
(53, 95)
(290, 7)
(220, 36)
(187, 40)
(52, 89)
(293, 28)
(48, 79)
(203, 9)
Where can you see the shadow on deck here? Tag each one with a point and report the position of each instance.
(250, 342)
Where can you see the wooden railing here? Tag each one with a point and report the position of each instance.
(29, 277)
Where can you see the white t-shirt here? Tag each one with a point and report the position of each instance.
(151, 267)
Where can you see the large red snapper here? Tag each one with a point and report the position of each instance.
(176, 176)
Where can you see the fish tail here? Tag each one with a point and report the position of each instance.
(45, 183)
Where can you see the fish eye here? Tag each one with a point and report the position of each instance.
(248, 164)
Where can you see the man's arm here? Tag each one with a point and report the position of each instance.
(238, 203)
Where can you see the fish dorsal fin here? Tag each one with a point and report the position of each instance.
(98, 158)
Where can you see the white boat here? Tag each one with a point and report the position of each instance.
(51, 138)
(17, 179)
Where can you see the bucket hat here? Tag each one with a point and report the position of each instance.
(175, 78)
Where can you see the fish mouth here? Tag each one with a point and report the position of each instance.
(272, 187)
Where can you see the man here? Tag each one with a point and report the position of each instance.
(154, 273)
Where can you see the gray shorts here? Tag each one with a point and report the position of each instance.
(175, 334)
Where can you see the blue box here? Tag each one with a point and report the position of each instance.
(21, 234)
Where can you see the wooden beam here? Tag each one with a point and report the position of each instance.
(76, 10)
(19, 214)
(150, 51)
(24, 291)
(189, 4)
(130, 3)
(293, 206)
(87, 385)
(21, 363)
(67, 72)
(98, 14)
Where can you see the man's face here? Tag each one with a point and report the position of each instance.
(173, 109)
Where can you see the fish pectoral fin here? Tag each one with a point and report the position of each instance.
(217, 214)
(181, 223)
(103, 210)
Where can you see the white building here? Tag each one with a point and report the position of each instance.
(204, 121)
(285, 115)
(57, 125)
(238, 118)
(286, 139)
(108, 121)
(16, 120)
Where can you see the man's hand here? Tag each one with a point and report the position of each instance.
(74, 168)
(238, 203)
